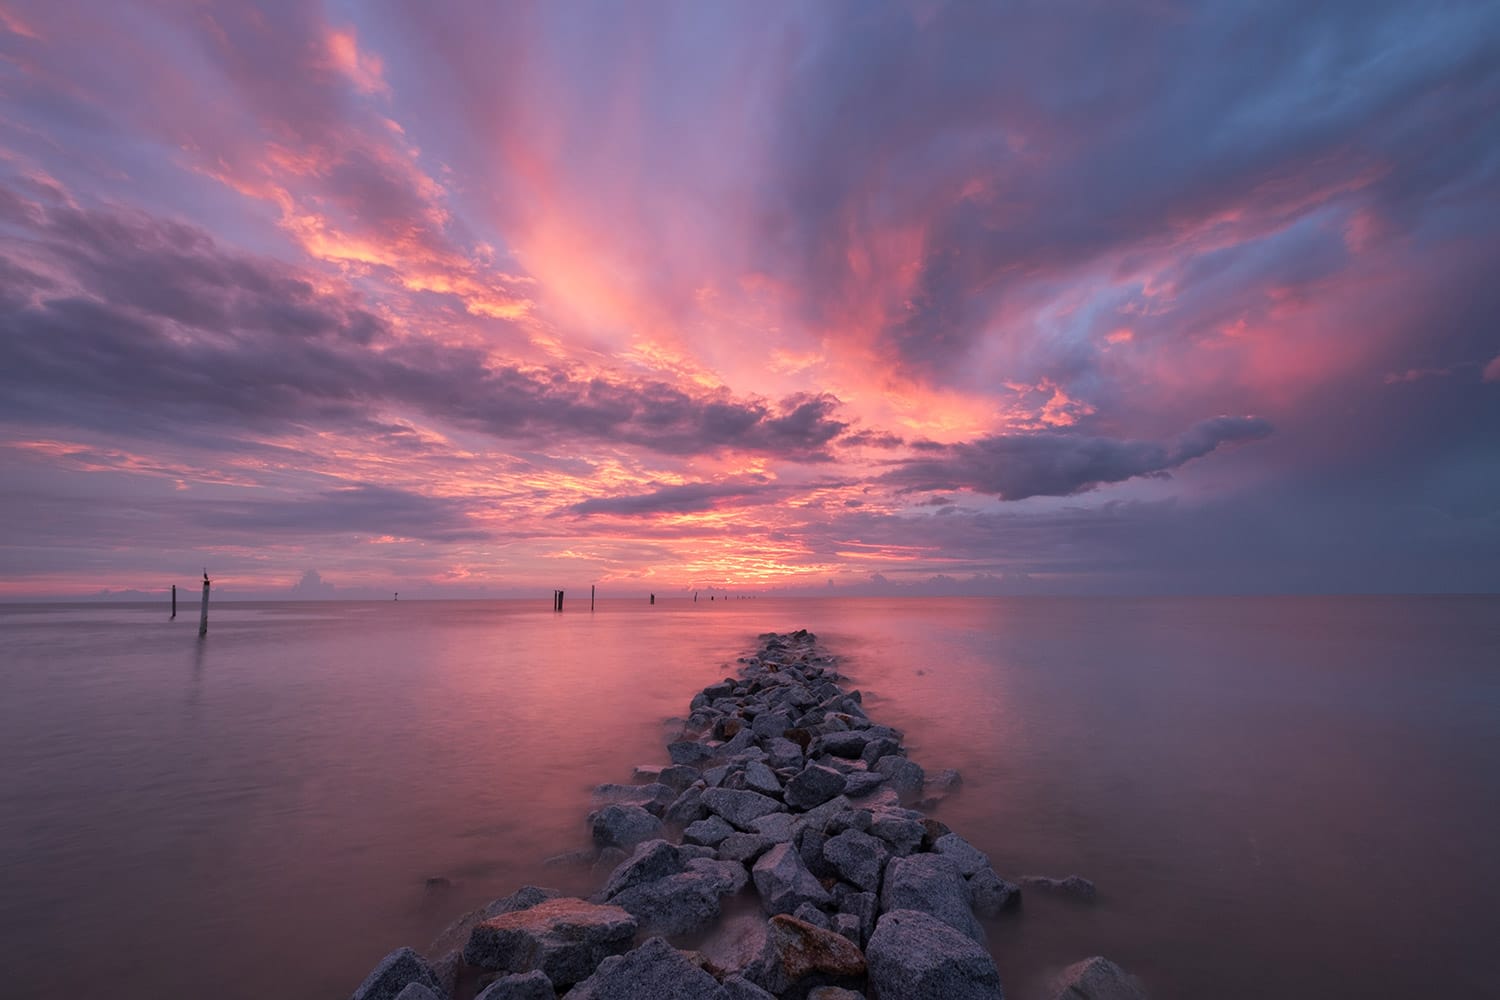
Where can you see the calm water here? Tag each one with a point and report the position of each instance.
(1276, 797)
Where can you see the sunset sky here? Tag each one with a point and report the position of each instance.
(486, 298)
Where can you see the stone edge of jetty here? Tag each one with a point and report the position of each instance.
(778, 842)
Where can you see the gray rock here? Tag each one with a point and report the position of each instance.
(834, 993)
(678, 776)
(624, 826)
(800, 956)
(946, 780)
(652, 860)
(708, 832)
(812, 786)
(564, 938)
(689, 752)
(416, 991)
(740, 988)
(736, 942)
(654, 798)
(847, 924)
(915, 956)
(989, 894)
(819, 817)
(863, 905)
(729, 877)
(1074, 885)
(691, 851)
(655, 970)
(783, 753)
(810, 848)
(857, 783)
(527, 986)
(810, 914)
(777, 827)
(394, 973)
(930, 883)
(848, 745)
(965, 855)
(456, 934)
(898, 829)
(740, 807)
(878, 747)
(859, 858)
(743, 847)
(687, 807)
(770, 724)
(760, 778)
(905, 776)
(784, 883)
(677, 904)
(1096, 978)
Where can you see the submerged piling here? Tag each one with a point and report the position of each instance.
(203, 613)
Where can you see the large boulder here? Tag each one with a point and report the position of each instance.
(456, 934)
(743, 847)
(812, 786)
(800, 956)
(522, 986)
(760, 778)
(652, 860)
(858, 857)
(564, 938)
(707, 831)
(677, 904)
(989, 893)
(965, 855)
(902, 829)
(915, 956)
(655, 970)
(689, 752)
(776, 827)
(687, 807)
(1096, 978)
(729, 876)
(654, 797)
(740, 988)
(784, 883)
(394, 973)
(905, 776)
(848, 745)
(741, 807)
(624, 826)
(931, 884)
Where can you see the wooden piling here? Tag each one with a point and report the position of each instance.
(591, 597)
(203, 613)
(559, 600)
(174, 600)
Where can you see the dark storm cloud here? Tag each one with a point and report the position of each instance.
(167, 327)
(1024, 140)
(361, 510)
(682, 499)
(1016, 466)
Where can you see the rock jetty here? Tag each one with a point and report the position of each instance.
(775, 856)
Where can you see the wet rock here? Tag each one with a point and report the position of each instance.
(989, 894)
(848, 745)
(820, 817)
(946, 780)
(770, 724)
(931, 884)
(760, 778)
(624, 826)
(564, 938)
(878, 747)
(655, 970)
(812, 786)
(810, 914)
(834, 993)
(847, 925)
(740, 988)
(687, 807)
(800, 957)
(858, 783)
(898, 829)
(523, 986)
(777, 827)
(1075, 886)
(736, 942)
(784, 883)
(689, 752)
(729, 876)
(1096, 978)
(933, 830)
(416, 991)
(652, 860)
(677, 904)
(743, 847)
(654, 798)
(905, 776)
(456, 934)
(865, 906)
(783, 753)
(965, 855)
(915, 956)
(678, 777)
(740, 807)
(708, 832)
(394, 973)
(810, 848)
(859, 858)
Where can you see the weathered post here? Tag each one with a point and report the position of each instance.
(559, 600)
(591, 597)
(174, 600)
(203, 613)
(653, 598)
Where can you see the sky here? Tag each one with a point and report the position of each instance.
(348, 298)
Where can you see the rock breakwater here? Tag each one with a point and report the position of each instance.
(776, 855)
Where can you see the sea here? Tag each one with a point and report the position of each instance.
(1276, 797)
